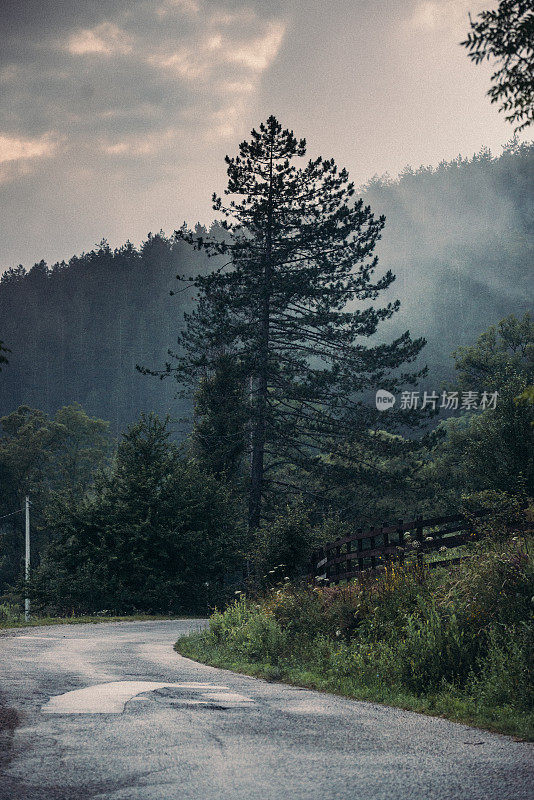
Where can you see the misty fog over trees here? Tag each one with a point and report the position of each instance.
(458, 237)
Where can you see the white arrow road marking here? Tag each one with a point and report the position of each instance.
(111, 698)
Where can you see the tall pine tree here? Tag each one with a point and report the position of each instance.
(289, 303)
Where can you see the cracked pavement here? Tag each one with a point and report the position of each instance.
(211, 734)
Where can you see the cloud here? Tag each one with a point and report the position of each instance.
(221, 61)
(141, 145)
(190, 7)
(233, 18)
(18, 148)
(224, 122)
(438, 14)
(114, 85)
(105, 39)
(215, 49)
(20, 155)
(186, 63)
(237, 87)
(257, 54)
(127, 106)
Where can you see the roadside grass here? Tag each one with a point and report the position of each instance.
(447, 704)
(18, 621)
(455, 642)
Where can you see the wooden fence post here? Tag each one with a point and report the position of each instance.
(360, 548)
(372, 538)
(338, 565)
(327, 566)
(420, 538)
(385, 542)
(400, 529)
(349, 556)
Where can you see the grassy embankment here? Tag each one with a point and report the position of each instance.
(10, 617)
(454, 642)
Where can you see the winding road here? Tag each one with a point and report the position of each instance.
(111, 712)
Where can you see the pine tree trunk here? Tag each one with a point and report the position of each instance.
(260, 406)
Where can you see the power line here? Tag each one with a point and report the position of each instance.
(11, 513)
(20, 511)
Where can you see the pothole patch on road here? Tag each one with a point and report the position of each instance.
(220, 700)
(180, 705)
(111, 698)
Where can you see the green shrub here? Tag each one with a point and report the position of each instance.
(283, 547)
(494, 586)
(249, 631)
(494, 514)
(431, 650)
(10, 613)
(505, 675)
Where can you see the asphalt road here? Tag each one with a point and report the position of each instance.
(215, 735)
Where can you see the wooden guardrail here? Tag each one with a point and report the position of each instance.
(365, 550)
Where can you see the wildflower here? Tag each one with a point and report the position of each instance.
(338, 633)
(442, 549)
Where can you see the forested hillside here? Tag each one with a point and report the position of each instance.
(77, 331)
(458, 238)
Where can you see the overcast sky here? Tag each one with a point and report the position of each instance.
(115, 115)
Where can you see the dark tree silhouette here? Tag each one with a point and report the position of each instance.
(152, 531)
(298, 249)
(506, 35)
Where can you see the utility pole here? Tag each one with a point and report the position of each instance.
(27, 560)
